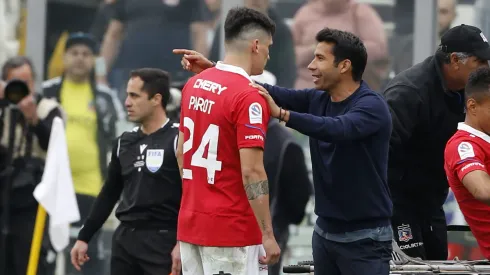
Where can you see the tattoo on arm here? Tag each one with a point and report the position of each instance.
(263, 225)
(256, 189)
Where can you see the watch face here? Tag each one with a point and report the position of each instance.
(15, 91)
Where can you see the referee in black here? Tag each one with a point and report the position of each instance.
(144, 175)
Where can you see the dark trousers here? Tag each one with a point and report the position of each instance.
(18, 246)
(142, 251)
(95, 247)
(363, 257)
(421, 234)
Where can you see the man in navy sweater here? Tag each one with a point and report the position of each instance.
(349, 126)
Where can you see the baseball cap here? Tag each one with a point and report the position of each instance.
(468, 39)
(81, 38)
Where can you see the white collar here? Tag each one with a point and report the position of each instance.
(464, 127)
(233, 69)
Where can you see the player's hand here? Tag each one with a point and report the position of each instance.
(176, 263)
(193, 61)
(79, 254)
(275, 110)
(272, 251)
(28, 107)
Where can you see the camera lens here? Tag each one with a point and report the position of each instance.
(15, 91)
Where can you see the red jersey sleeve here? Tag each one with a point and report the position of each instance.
(464, 156)
(251, 119)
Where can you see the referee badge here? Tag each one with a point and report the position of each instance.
(154, 159)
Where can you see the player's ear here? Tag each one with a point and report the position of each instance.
(255, 46)
(344, 66)
(471, 105)
(157, 99)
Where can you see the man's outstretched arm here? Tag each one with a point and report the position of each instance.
(291, 99)
(295, 100)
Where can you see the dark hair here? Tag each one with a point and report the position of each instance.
(14, 63)
(155, 81)
(346, 46)
(478, 84)
(242, 19)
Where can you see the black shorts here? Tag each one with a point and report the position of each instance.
(142, 251)
(420, 234)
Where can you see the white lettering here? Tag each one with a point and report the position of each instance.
(471, 164)
(209, 86)
(200, 104)
(253, 137)
(413, 245)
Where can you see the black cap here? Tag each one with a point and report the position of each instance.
(467, 39)
(81, 38)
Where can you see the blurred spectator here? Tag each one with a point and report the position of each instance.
(33, 118)
(446, 15)
(148, 31)
(102, 19)
(282, 63)
(348, 15)
(92, 112)
(9, 19)
(66, 16)
(401, 45)
(214, 7)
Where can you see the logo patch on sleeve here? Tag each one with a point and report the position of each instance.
(465, 150)
(255, 113)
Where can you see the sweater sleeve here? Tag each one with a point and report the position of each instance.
(365, 118)
(294, 100)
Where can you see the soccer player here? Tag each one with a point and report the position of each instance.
(224, 220)
(349, 126)
(467, 159)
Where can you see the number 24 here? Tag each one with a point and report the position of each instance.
(211, 164)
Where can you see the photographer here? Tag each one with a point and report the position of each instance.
(33, 116)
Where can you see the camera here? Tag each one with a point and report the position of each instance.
(15, 90)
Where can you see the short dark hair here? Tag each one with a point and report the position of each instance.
(242, 19)
(14, 63)
(478, 84)
(346, 46)
(155, 81)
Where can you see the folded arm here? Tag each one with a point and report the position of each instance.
(469, 166)
(478, 184)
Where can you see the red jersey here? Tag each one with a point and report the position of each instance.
(220, 114)
(469, 150)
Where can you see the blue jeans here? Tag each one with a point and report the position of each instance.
(362, 257)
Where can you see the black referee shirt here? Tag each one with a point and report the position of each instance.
(143, 172)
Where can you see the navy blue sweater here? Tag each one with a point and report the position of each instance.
(349, 144)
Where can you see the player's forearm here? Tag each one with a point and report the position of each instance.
(257, 189)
